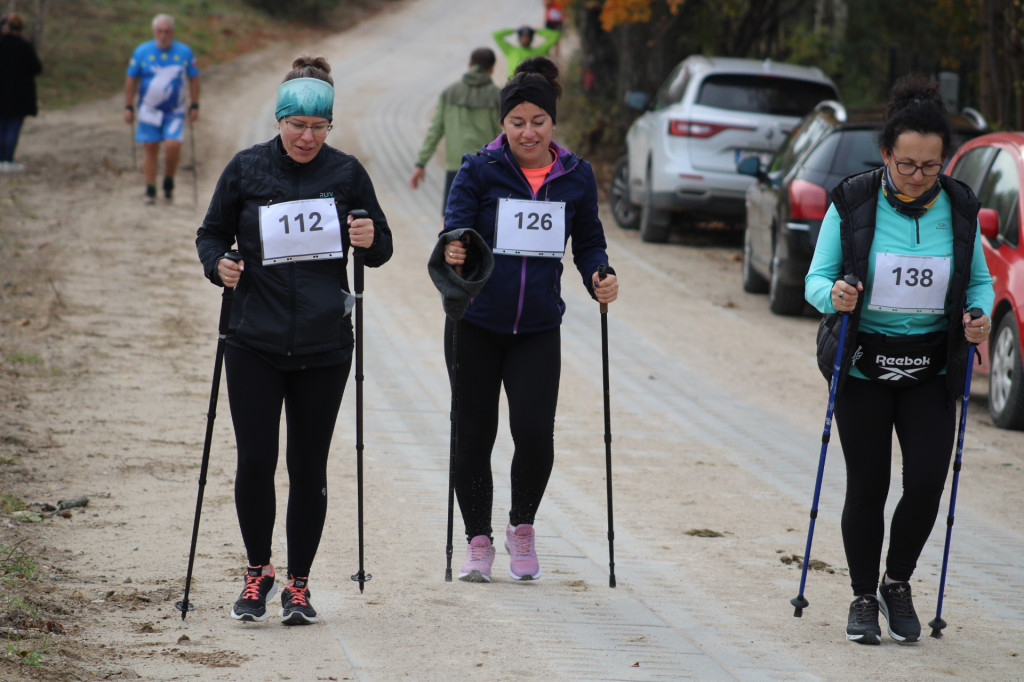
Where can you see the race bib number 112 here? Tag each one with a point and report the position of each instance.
(308, 229)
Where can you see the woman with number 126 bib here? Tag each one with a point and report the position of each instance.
(284, 205)
(526, 197)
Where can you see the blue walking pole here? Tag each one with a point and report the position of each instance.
(938, 624)
(800, 602)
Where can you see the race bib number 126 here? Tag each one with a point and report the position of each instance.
(530, 228)
(308, 229)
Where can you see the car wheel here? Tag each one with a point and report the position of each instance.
(654, 224)
(625, 212)
(783, 299)
(1005, 381)
(753, 281)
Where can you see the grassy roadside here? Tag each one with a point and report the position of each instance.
(85, 44)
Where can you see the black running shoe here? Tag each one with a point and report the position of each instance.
(168, 188)
(898, 608)
(150, 194)
(252, 603)
(862, 627)
(295, 606)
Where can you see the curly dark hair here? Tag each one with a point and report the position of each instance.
(915, 104)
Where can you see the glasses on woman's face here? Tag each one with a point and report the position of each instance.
(928, 170)
(319, 129)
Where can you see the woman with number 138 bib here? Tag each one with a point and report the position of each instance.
(526, 197)
(285, 203)
(910, 235)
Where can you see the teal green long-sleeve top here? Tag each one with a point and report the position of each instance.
(516, 54)
(898, 234)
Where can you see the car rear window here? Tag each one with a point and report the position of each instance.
(857, 152)
(763, 94)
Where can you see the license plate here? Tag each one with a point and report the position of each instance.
(766, 157)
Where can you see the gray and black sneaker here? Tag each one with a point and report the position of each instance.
(252, 603)
(295, 606)
(898, 608)
(862, 627)
(150, 194)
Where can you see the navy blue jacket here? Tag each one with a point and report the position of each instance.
(524, 293)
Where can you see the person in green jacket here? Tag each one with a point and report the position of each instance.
(525, 49)
(466, 116)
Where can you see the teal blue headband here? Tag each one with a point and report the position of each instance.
(305, 97)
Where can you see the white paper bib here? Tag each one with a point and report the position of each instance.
(530, 228)
(307, 229)
(910, 284)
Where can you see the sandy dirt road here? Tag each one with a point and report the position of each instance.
(717, 410)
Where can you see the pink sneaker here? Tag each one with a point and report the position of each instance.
(519, 542)
(479, 557)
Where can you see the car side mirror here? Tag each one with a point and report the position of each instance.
(636, 100)
(989, 220)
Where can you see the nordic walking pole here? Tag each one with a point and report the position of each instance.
(357, 285)
(195, 172)
(937, 625)
(454, 438)
(222, 328)
(453, 447)
(800, 602)
(601, 274)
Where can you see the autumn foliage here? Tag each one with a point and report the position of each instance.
(617, 12)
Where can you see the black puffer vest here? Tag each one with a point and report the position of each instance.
(856, 200)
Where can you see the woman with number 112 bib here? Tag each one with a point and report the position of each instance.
(526, 197)
(285, 203)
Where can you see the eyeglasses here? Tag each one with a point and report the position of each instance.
(319, 130)
(928, 170)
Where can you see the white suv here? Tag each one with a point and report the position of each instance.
(708, 114)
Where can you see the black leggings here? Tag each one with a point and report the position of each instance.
(529, 366)
(311, 397)
(925, 422)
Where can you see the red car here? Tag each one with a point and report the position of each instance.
(993, 165)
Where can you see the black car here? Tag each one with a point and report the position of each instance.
(786, 204)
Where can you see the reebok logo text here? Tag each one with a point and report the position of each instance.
(905, 361)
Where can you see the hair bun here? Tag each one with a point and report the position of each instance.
(912, 90)
(541, 66)
(304, 61)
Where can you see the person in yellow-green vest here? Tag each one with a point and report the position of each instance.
(524, 48)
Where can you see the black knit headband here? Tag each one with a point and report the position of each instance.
(534, 89)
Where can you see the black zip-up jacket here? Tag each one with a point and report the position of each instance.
(295, 308)
(856, 200)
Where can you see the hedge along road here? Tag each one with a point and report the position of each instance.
(716, 415)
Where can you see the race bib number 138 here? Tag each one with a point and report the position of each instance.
(910, 284)
(308, 229)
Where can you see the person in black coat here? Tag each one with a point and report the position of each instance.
(285, 203)
(19, 66)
